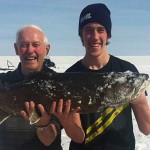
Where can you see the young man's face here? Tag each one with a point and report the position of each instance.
(31, 49)
(94, 37)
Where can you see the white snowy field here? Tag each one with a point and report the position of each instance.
(63, 62)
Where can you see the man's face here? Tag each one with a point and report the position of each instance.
(31, 49)
(94, 37)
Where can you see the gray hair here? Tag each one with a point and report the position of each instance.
(34, 27)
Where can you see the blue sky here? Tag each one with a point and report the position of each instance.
(59, 20)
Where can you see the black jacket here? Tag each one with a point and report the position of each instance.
(16, 133)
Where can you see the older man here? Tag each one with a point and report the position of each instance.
(16, 132)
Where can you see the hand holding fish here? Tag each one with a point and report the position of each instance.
(30, 107)
(65, 115)
(69, 119)
(42, 123)
(141, 111)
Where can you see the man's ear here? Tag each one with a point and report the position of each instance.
(47, 48)
(16, 49)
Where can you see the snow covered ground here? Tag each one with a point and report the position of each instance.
(63, 62)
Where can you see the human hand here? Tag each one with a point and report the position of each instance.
(69, 119)
(65, 115)
(29, 109)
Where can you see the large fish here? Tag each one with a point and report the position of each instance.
(92, 92)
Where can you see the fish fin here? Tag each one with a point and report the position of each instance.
(3, 116)
(34, 117)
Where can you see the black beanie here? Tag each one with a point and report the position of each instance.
(98, 13)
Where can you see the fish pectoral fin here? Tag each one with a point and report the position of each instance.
(3, 116)
(34, 117)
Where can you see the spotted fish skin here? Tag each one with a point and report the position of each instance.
(91, 92)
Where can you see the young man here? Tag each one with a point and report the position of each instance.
(113, 130)
(16, 133)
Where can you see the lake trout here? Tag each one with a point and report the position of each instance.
(91, 92)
